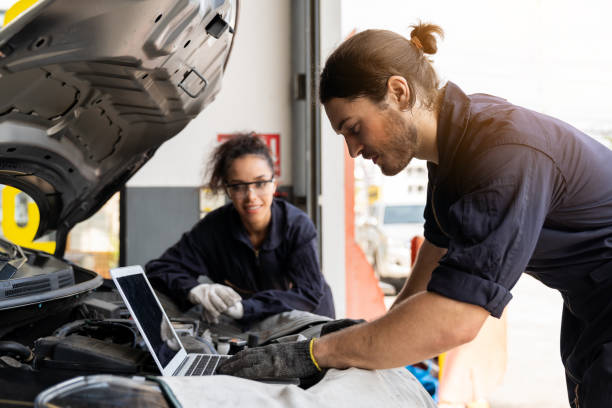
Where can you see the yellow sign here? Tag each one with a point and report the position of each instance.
(16, 9)
(22, 236)
(373, 194)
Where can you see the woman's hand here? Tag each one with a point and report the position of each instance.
(216, 299)
(236, 311)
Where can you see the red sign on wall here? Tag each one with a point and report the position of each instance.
(272, 141)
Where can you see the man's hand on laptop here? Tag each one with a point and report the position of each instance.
(216, 299)
(282, 360)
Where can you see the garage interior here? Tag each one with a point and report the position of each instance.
(269, 86)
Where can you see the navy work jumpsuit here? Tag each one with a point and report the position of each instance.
(284, 274)
(518, 191)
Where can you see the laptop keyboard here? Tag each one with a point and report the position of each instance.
(204, 364)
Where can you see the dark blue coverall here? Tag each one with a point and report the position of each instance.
(516, 191)
(284, 274)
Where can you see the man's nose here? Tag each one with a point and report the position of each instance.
(354, 147)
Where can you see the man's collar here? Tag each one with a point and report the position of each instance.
(452, 124)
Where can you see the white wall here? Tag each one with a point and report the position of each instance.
(332, 175)
(255, 95)
(4, 5)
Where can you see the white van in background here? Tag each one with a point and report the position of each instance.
(393, 220)
(398, 224)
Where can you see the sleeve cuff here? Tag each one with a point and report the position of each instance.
(438, 240)
(249, 310)
(468, 288)
(183, 296)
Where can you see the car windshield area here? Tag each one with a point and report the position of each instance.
(403, 214)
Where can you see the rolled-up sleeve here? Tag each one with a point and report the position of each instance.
(495, 226)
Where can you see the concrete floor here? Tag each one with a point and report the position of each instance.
(534, 376)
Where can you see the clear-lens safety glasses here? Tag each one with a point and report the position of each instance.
(239, 190)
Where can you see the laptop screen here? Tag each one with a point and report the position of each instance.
(148, 313)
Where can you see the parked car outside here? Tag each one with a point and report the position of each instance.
(393, 228)
(393, 217)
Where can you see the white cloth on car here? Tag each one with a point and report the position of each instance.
(349, 388)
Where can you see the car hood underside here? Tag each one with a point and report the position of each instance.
(90, 89)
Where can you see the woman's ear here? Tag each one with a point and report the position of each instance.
(398, 92)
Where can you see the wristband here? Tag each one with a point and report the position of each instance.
(312, 357)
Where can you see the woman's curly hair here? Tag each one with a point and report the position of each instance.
(240, 144)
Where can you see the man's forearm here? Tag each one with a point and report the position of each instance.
(421, 327)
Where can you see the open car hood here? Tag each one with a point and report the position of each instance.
(90, 89)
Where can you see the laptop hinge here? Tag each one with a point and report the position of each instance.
(178, 370)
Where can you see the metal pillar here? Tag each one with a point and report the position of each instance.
(306, 126)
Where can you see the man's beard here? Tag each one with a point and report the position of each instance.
(402, 144)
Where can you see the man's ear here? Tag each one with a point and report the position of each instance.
(398, 92)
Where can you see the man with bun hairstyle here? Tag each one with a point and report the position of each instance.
(510, 190)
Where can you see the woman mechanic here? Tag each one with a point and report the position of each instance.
(260, 252)
(510, 190)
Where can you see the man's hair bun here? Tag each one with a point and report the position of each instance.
(422, 35)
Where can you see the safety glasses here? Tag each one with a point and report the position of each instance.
(240, 190)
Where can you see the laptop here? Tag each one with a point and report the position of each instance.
(156, 329)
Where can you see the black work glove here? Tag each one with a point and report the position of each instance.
(339, 324)
(281, 360)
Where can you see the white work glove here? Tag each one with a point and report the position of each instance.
(236, 311)
(214, 298)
